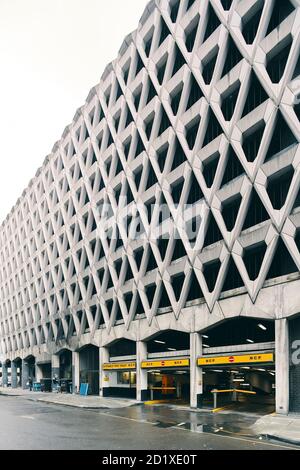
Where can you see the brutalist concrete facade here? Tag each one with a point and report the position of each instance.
(200, 108)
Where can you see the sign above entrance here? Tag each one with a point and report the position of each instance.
(242, 359)
(119, 366)
(166, 363)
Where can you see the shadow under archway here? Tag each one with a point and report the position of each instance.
(89, 368)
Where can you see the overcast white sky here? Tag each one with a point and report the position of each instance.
(51, 53)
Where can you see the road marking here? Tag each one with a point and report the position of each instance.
(128, 419)
(27, 417)
(156, 402)
(216, 410)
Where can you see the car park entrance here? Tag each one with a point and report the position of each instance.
(238, 365)
(168, 379)
(168, 367)
(246, 382)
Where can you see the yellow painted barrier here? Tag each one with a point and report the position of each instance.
(222, 408)
(234, 390)
(155, 402)
(249, 392)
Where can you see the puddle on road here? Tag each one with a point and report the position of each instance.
(163, 424)
(229, 424)
(207, 428)
(214, 429)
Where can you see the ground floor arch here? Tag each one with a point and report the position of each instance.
(28, 372)
(238, 364)
(119, 369)
(89, 366)
(43, 371)
(62, 371)
(166, 369)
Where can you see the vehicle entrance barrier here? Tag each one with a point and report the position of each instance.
(233, 391)
(152, 389)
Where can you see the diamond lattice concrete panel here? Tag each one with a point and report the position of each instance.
(200, 109)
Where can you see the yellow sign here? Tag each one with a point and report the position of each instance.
(242, 359)
(119, 366)
(166, 363)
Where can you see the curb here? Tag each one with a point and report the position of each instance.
(50, 402)
(286, 440)
(69, 404)
(83, 407)
(10, 395)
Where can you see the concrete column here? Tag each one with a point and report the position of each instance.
(25, 374)
(14, 375)
(100, 368)
(4, 375)
(38, 373)
(196, 375)
(75, 372)
(141, 374)
(282, 366)
(55, 366)
(103, 375)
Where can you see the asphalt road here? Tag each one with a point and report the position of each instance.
(32, 425)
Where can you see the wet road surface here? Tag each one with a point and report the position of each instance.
(25, 424)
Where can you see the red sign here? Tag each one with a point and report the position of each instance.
(231, 359)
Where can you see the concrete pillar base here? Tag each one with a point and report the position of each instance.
(55, 362)
(196, 375)
(25, 374)
(14, 375)
(38, 373)
(141, 374)
(103, 375)
(75, 372)
(282, 366)
(4, 375)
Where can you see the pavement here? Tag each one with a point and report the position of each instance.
(77, 401)
(265, 423)
(231, 421)
(282, 428)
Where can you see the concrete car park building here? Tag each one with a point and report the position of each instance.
(155, 254)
